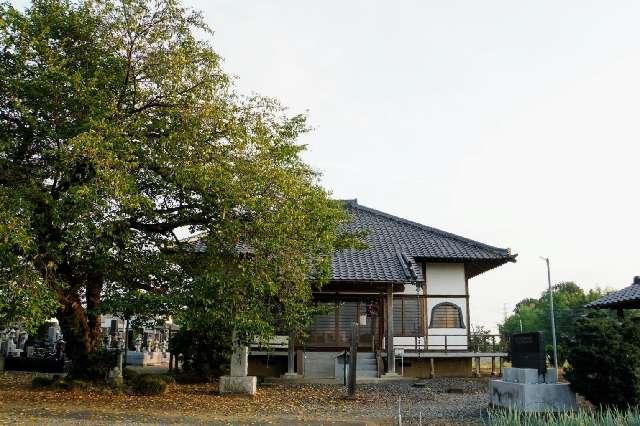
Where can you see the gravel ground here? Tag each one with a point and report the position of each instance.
(440, 401)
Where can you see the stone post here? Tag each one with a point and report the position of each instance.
(116, 373)
(238, 381)
(291, 359)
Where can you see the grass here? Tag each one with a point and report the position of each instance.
(607, 417)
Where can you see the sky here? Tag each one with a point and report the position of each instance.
(512, 123)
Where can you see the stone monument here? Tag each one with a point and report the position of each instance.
(530, 386)
(238, 381)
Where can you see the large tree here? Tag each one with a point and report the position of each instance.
(120, 134)
(534, 314)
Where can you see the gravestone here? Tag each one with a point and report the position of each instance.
(529, 385)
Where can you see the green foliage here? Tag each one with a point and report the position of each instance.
(95, 366)
(533, 314)
(56, 382)
(130, 375)
(119, 131)
(500, 417)
(204, 353)
(150, 384)
(482, 340)
(39, 382)
(605, 360)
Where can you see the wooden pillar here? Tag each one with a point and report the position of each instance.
(493, 366)
(300, 361)
(391, 359)
(432, 373)
(500, 362)
(620, 314)
(291, 361)
(476, 373)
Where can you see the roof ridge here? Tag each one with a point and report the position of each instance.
(431, 229)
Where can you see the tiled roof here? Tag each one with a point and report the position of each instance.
(395, 246)
(628, 297)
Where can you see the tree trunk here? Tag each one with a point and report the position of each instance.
(74, 324)
(80, 327)
(93, 293)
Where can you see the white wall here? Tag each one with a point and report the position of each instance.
(456, 337)
(442, 279)
(445, 278)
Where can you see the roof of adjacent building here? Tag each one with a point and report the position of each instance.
(396, 247)
(628, 297)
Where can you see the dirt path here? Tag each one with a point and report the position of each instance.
(437, 403)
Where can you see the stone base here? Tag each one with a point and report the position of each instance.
(291, 376)
(532, 397)
(245, 385)
(391, 376)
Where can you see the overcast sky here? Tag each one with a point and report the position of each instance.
(513, 123)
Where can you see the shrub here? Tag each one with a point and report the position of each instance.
(204, 354)
(149, 384)
(95, 366)
(130, 375)
(56, 382)
(73, 385)
(42, 382)
(604, 361)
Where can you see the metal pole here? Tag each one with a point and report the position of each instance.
(553, 321)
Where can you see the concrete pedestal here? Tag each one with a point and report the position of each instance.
(245, 385)
(291, 376)
(523, 389)
(391, 376)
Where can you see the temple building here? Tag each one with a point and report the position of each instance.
(409, 292)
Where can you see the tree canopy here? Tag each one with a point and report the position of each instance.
(534, 314)
(120, 134)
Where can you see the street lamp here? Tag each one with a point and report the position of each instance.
(553, 321)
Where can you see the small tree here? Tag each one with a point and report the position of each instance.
(604, 358)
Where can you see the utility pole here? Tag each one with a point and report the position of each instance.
(553, 321)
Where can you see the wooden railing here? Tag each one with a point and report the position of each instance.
(435, 343)
(449, 342)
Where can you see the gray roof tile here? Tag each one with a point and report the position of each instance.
(628, 297)
(395, 245)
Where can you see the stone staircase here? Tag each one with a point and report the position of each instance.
(367, 367)
(322, 365)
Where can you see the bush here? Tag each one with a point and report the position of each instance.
(130, 375)
(95, 366)
(149, 384)
(56, 382)
(42, 382)
(204, 354)
(604, 361)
